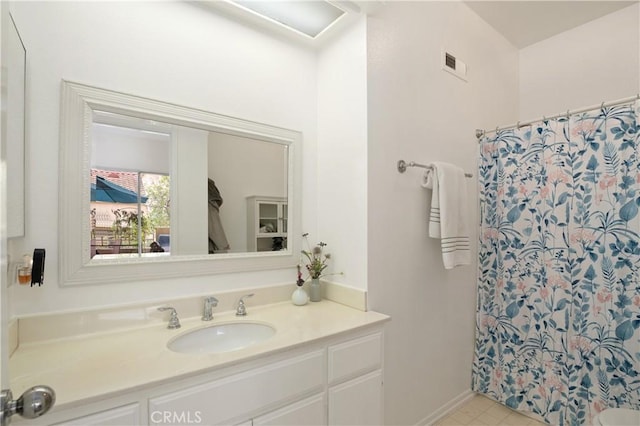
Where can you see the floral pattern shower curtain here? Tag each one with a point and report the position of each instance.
(558, 322)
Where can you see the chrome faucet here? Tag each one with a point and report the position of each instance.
(174, 322)
(209, 303)
(241, 310)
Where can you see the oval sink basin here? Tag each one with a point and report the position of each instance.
(221, 338)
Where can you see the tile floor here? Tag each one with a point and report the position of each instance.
(481, 410)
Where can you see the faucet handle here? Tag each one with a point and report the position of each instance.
(241, 310)
(174, 322)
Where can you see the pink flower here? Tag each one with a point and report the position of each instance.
(636, 300)
(490, 233)
(607, 181)
(489, 148)
(488, 321)
(544, 191)
(582, 236)
(556, 281)
(542, 391)
(581, 343)
(557, 175)
(599, 406)
(523, 190)
(544, 292)
(604, 296)
(521, 286)
(554, 382)
(583, 128)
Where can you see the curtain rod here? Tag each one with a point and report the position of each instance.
(481, 132)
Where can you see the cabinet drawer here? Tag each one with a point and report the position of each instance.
(126, 415)
(355, 357)
(308, 412)
(232, 397)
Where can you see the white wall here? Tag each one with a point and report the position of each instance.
(342, 155)
(418, 112)
(189, 202)
(243, 167)
(172, 51)
(595, 62)
(121, 148)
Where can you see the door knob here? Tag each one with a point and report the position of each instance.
(33, 403)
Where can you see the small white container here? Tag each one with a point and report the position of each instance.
(299, 297)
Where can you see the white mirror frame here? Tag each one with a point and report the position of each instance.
(78, 102)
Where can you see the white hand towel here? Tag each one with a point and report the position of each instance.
(449, 212)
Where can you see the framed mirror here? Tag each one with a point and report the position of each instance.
(151, 190)
(14, 55)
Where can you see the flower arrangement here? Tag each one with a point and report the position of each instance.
(316, 257)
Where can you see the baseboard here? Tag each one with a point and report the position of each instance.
(447, 408)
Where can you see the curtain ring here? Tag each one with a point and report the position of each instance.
(518, 125)
(568, 115)
(602, 105)
(544, 118)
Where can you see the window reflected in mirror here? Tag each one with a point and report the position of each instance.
(129, 213)
(130, 187)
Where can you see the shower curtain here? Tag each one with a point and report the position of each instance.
(558, 312)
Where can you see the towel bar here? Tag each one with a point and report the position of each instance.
(402, 167)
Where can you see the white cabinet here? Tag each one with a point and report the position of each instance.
(355, 381)
(357, 402)
(267, 223)
(335, 381)
(308, 412)
(127, 415)
(228, 400)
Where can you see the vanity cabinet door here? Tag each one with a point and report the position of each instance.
(308, 412)
(357, 402)
(126, 415)
(239, 396)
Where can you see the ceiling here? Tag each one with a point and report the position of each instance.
(527, 22)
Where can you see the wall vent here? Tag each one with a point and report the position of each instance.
(454, 65)
(450, 60)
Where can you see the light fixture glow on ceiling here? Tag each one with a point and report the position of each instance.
(310, 18)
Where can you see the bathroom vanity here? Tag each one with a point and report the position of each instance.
(324, 365)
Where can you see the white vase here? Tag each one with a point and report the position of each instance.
(299, 297)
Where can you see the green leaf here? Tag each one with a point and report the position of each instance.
(611, 160)
(629, 211)
(593, 163)
(625, 330)
(512, 310)
(514, 214)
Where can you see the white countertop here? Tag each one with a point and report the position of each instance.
(97, 366)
